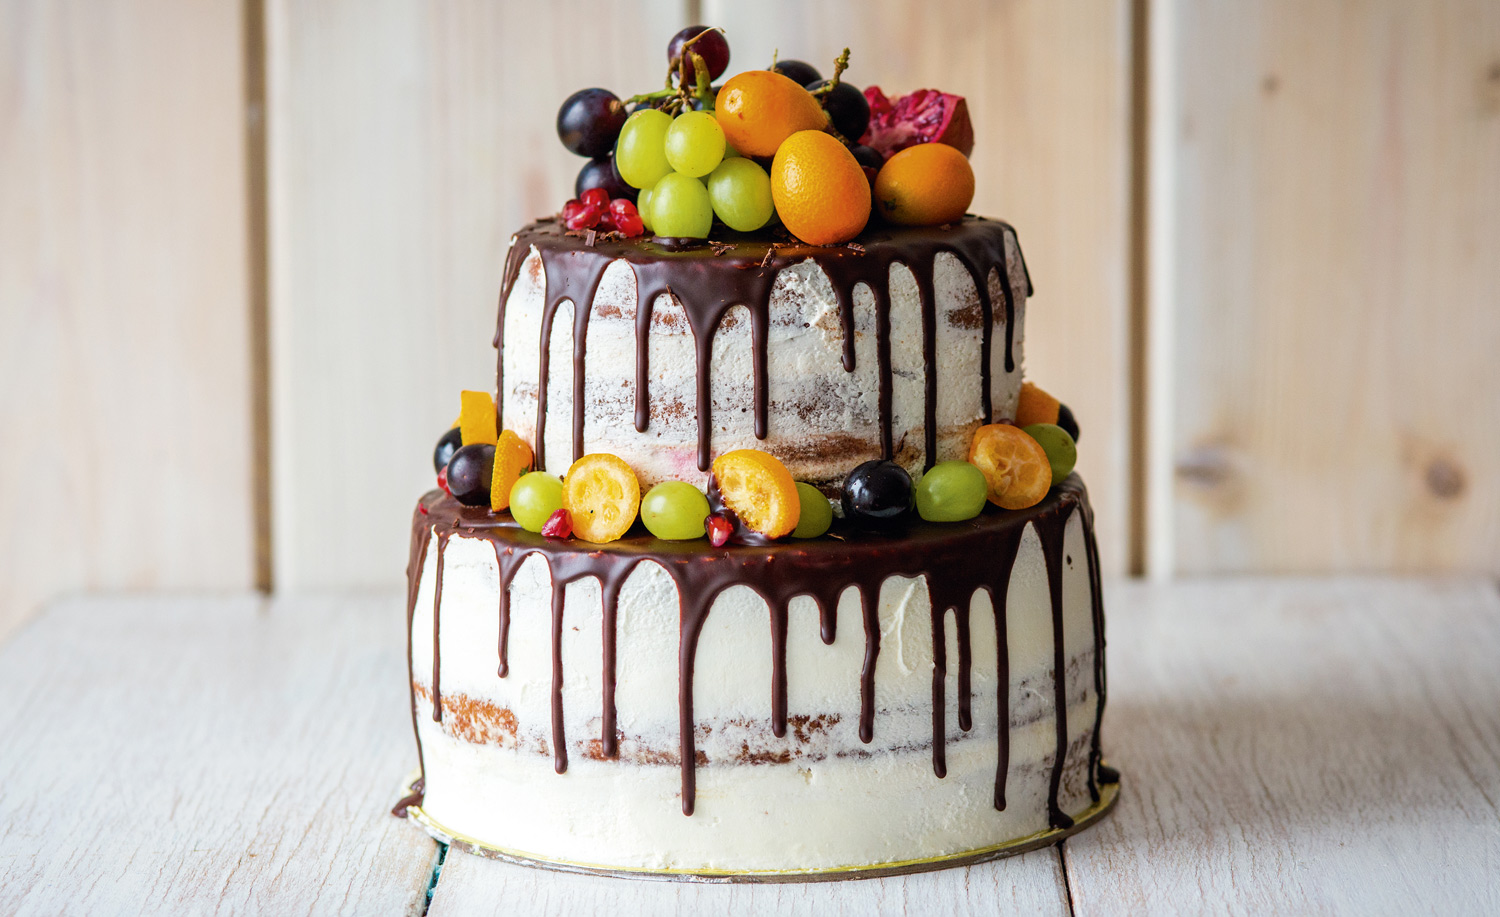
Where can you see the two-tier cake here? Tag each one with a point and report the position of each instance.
(722, 678)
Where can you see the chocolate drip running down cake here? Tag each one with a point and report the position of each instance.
(920, 694)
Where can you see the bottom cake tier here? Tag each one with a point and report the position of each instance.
(857, 701)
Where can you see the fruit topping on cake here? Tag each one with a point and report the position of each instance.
(1035, 406)
(469, 473)
(924, 116)
(719, 528)
(819, 188)
(1062, 452)
(477, 419)
(760, 109)
(739, 191)
(710, 48)
(589, 121)
(447, 444)
(816, 513)
(1015, 466)
(601, 496)
(758, 489)
(512, 460)
(816, 135)
(674, 511)
(534, 498)
(951, 492)
(925, 185)
(877, 494)
(558, 525)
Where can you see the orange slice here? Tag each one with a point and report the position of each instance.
(512, 459)
(476, 417)
(602, 496)
(1015, 466)
(1035, 406)
(760, 491)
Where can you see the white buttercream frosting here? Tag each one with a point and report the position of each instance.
(817, 798)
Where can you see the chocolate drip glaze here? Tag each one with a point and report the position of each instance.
(821, 569)
(437, 655)
(741, 271)
(416, 559)
(1005, 561)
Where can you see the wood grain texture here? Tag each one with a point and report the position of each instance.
(1048, 87)
(1031, 883)
(407, 142)
(207, 756)
(1300, 746)
(1337, 397)
(124, 381)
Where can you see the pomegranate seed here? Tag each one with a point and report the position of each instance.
(718, 529)
(443, 480)
(626, 219)
(607, 222)
(558, 525)
(597, 198)
(579, 215)
(423, 508)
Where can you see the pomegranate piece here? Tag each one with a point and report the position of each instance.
(719, 530)
(558, 525)
(597, 198)
(924, 116)
(625, 219)
(582, 214)
(443, 480)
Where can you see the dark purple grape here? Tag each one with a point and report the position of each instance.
(601, 173)
(869, 157)
(799, 72)
(469, 473)
(876, 493)
(711, 47)
(1067, 421)
(847, 107)
(589, 122)
(448, 444)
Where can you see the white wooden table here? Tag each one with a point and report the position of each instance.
(1291, 746)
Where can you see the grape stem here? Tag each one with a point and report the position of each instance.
(821, 93)
(839, 66)
(700, 70)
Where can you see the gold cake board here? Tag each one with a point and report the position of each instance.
(1108, 794)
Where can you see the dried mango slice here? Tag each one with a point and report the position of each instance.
(1035, 406)
(760, 490)
(476, 418)
(512, 459)
(602, 497)
(1016, 470)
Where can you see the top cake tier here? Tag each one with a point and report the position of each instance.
(896, 345)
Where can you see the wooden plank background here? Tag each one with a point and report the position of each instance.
(1337, 196)
(125, 438)
(1323, 283)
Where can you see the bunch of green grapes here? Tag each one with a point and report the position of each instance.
(687, 174)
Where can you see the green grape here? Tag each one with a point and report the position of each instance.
(730, 152)
(817, 511)
(641, 152)
(674, 511)
(643, 207)
(534, 498)
(680, 207)
(1062, 452)
(740, 191)
(695, 143)
(951, 492)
